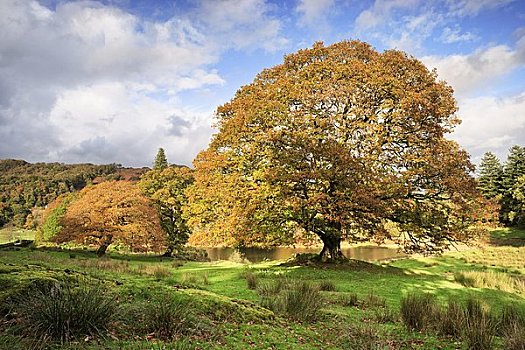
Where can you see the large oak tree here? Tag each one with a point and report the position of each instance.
(338, 142)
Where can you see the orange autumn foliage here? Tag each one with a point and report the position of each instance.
(113, 212)
(339, 142)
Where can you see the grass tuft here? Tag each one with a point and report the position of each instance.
(66, 311)
(385, 315)
(363, 338)
(451, 319)
(373, 300)
(490, 279)
(479, 326)
(160, 272)
(299, 300)
(327, 286)
(349, 300)
(251, 280)
(165, 318)
(417, 310)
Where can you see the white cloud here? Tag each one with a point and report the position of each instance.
(87, 81)
(472, 72)
(491, 124)
(474, 7)
(241, 24)
(126, 125)
(381, 12)
(450, 36)
(399, 24)
(313, 12)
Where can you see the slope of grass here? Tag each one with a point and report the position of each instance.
(221, 310)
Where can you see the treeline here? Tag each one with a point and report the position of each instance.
(138, 216)
(25, 188)
(504, 184)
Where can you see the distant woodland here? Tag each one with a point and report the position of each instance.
(26, 189)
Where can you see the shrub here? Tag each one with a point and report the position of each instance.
(251, 280)
(479, 326)
(53, 216)
(66, 310)
(417, 310)
(327, 286)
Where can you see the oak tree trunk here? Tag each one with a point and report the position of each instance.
(331, 249)
(104, 244)
(169, 251)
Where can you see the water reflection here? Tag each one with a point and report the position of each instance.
(254, 255)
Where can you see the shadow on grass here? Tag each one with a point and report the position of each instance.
(509, 236)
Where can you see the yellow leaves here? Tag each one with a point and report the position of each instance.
(343, 134)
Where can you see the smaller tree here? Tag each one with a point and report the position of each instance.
(53, 215)
(518, 194)
(166, 187)
(161, 162)
(113, 211)
(514, 168)
(490, 176)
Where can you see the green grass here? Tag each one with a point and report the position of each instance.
(215, 308)
(10, 234)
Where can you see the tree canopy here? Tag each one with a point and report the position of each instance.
(338, 142)
(113, 211)
(166, 187)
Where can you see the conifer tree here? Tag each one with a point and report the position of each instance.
(161, 162)
(514, 168)
(518, 194)
(490, 176)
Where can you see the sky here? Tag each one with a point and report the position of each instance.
(112, 81)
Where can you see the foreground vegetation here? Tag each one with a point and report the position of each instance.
(73, 300)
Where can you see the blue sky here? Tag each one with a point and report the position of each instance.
(111, 81)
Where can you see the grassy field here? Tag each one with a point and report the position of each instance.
(10, 234)
(160, 303)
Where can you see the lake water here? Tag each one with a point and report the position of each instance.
(254, 255)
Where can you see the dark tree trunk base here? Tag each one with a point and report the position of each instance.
(331, 252)
(104, 244)
(169, 252)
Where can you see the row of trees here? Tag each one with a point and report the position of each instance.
(505, 184)
(143, 216)
(338, 142)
